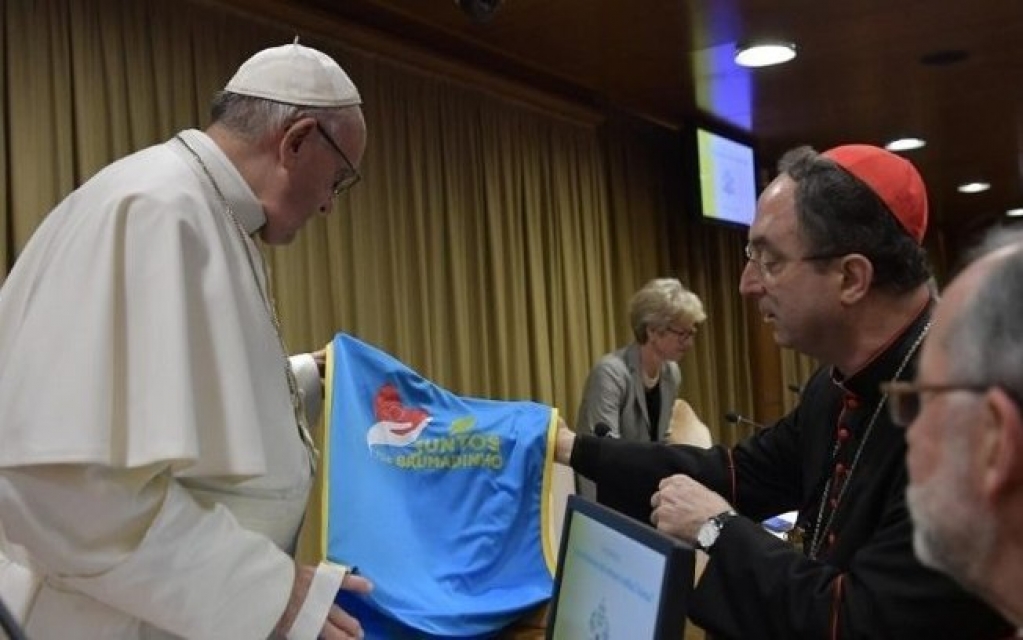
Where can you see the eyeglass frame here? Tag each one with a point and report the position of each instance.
(897, 391)
(766, 267)
(684, 334)
(353, 178)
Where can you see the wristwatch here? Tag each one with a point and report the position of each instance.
(711, 529)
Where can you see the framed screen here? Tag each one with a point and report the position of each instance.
(727, 181)
(617, 579)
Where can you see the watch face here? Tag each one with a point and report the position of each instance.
(707, 534)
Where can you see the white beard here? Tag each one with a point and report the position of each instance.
(952, 533)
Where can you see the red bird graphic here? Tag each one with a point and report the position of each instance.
(388, 408)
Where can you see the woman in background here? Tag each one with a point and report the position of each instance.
(632, 390)
(630, 393)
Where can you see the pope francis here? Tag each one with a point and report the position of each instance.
(156, 461)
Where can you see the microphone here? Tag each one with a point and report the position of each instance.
(601, 430)
(736, 418)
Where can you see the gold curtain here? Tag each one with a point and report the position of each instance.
(472, 248)
(493, 244)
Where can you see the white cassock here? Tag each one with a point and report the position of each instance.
(151, 465)
(18, 582)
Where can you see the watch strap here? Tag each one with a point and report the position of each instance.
(718, 522)
(722, 518)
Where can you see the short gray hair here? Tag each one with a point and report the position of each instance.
(661, 302)
(987, 337)
(254, 118)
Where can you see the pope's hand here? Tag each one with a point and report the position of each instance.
(339, 625)
(321, 360)
(681, 506)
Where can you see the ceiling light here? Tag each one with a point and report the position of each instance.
(974, 187)
(1015, 213)
(905, 144)
(764, 53)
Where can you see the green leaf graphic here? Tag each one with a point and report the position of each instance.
(463, 424)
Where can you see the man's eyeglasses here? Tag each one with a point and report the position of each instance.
(351, 175)
(904, 397)
(770, 267)
(684, 334)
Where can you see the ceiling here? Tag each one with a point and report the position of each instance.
(860, 75)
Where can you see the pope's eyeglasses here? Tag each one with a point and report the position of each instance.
(351, 176)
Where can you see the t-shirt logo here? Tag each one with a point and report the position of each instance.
(397, 425)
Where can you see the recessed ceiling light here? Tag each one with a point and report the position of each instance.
(764, 53)
(905, 144)
(974, 187)
(1015, 213)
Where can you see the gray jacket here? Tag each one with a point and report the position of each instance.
(614, 395)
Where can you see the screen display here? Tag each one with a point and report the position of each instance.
(610, 585)
(728, 179)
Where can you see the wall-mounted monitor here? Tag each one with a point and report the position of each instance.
(727, 179)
